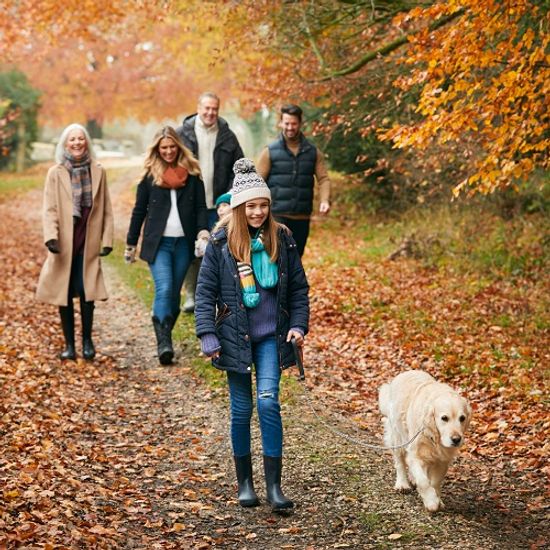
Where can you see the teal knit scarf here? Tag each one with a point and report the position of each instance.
(265, 271)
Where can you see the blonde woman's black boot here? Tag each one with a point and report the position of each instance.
(163, 332)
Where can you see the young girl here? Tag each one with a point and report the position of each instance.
(252, 298)
(170, 202)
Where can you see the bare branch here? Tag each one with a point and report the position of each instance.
(312, 42)
(388, 48)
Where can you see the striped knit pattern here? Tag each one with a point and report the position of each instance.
(247, 277)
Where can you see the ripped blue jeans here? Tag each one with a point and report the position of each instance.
(268, 375)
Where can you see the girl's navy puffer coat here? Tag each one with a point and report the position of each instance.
(219, 307)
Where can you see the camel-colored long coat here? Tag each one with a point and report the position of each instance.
(57, 218)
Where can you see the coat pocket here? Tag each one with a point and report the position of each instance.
(223, 313)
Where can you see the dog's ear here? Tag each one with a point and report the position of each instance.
(428, 423)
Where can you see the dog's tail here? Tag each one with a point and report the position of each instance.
(384, 399)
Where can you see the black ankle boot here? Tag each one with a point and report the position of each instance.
(67, 324)
(87, 314)
(273, 467)
(163, 332)
(246, 494)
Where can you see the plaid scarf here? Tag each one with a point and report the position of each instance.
(81, 182)
(262, 267)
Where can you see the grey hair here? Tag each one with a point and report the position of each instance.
(60, 148)
(210, 95)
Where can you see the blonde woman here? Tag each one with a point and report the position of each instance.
(252, 299)
(170, 206)
(78, 229)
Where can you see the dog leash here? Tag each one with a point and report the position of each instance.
(306, 393)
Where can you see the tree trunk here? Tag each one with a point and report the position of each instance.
(21, 146)
(94, 129)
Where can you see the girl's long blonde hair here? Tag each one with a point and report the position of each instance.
(238, 236)
(156, 166)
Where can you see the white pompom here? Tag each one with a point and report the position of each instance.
(244, 166)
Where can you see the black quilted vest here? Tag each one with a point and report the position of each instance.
(291, 177)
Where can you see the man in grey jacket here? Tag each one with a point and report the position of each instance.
(217, 148)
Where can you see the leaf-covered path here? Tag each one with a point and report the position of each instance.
(123, 453)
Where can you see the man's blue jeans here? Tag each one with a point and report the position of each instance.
(268, 375)
(168, 270)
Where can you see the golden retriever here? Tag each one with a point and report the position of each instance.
(415, 401)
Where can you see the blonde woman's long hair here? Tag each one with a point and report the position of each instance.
(238, 236)
(156, 166)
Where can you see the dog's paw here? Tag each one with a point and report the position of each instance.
(433, 505)
(403, 487)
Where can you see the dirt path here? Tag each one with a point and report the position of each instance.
(128, 454)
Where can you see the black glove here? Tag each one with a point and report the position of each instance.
(105, 251)
(53, 246)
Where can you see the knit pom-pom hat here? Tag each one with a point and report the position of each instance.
(248, 184)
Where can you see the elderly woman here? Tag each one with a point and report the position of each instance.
(78, 229)
(170, 205)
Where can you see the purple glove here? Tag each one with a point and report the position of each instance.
(210, 344)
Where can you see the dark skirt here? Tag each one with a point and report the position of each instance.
(76, 282)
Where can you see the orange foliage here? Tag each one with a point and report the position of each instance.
(486, 75)
(480, 67)
(114, 60)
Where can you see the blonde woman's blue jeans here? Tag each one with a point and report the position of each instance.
(168, 271)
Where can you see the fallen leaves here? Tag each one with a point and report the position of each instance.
(371, 320)
(99, 454)
(80, 464)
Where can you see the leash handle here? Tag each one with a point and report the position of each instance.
(299, 358)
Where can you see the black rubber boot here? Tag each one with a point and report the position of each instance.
(273, 467)
(173, 322)
(246, 494)
(67, 324)
(87, 314)
(163, 332)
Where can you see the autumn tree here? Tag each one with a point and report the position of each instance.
(486, 77)
(471, 75)
(146, 63)
(462, 83)
(17, 118)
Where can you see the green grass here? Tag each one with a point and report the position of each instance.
(12, 184)
(138, 278)
(371, 521)
(464, 237)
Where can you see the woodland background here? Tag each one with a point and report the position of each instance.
(434, 119)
